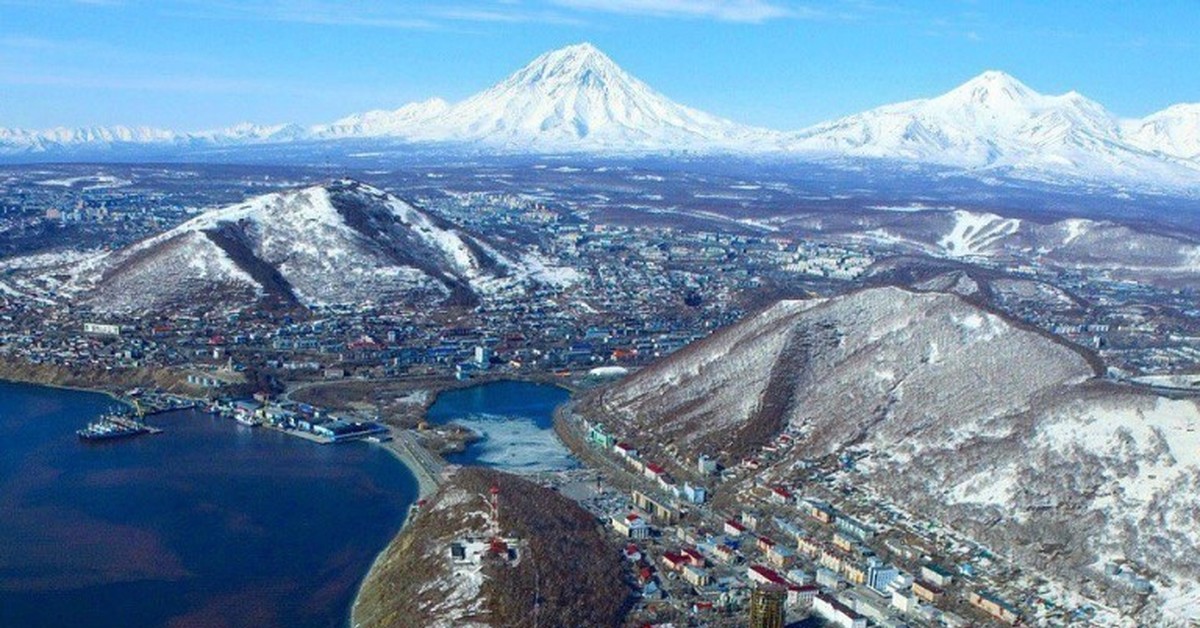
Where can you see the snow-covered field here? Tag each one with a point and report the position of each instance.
(516, 445)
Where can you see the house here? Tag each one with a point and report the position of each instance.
(833, 559)
(936, 575)
(780, 556)
(674, 561)
(843, 542)
(808, 546)
(854, 572)
(801, 596)
(799, 576)
(764, 575)
(820, 511)
(625, 450)
(598, 435)
(855, 528)
(654, 471)
(631, 526)
(880, 575)
(632, 553)
(694, 557)
(828, 578)
(657, 509)
(904, 602)
(926, 591)
(696, 576)
(835, 612)
(992, 605)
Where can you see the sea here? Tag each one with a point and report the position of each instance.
(210, 523)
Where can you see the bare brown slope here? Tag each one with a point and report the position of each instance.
(569, 566)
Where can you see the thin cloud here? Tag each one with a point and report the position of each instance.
(158, 84)
(372, 15)
(749, 11)
(507, 14)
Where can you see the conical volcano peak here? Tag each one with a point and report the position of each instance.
(581, 63)
(994, 88)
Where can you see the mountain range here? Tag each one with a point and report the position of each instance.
(576, 99)
(340, 243)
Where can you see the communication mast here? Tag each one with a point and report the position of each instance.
(498, 545)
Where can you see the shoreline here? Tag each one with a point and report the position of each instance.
(427, 485)
(425, 466)
(95, 391)
(401, 447)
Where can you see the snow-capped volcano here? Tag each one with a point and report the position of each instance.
(576, 99)
(568, 99)
(344, 242)
(1174, 131)
(996, 121)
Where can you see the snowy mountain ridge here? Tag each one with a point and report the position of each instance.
(994, 121)
(576, 99)
(343, 242)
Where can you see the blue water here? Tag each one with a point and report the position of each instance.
(516, 421)
(210, 524)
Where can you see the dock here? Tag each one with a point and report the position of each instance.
(135, 424)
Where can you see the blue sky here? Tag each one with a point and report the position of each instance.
(197, 64)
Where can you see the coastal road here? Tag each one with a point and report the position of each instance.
(424, 465)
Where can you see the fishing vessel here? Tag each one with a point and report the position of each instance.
(114, 425)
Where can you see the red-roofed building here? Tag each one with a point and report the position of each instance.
(631, 526)
(724, 553)
(694, 556)
(674, 561)
(625, 450)
(654, 471)
(765, 575)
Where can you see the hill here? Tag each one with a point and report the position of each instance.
(339, 243)
(949, 411)
(568, 572)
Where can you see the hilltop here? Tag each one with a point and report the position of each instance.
(568, 572)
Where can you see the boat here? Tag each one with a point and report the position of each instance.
(247, 419)
(112, 426)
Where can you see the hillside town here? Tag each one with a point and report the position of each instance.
(823, 548)
(641, 292)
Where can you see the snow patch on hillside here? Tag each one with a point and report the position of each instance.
(976, 234)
